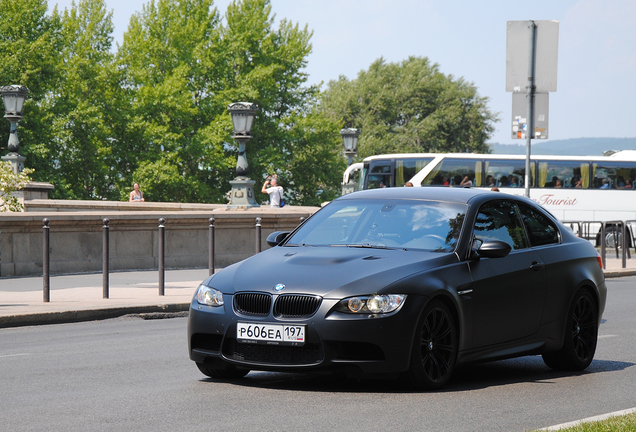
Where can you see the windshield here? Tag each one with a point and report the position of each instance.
(363, 176)
(384, 224)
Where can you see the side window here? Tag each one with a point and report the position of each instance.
(564, 174)
(505, 172)
(541, 229)
(407, 168)
(498, 220)
(613, 175)
(455, 172)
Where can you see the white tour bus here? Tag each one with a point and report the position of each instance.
(573, 188)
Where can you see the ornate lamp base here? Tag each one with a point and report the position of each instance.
(242, 194)
(17, 161)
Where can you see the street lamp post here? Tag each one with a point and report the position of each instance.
(242, 193)
(13, 97)
(350, 142)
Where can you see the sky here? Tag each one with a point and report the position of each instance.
(596, 90)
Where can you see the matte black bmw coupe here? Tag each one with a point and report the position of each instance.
(407, 281)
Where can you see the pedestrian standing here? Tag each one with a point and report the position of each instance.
(275, 191)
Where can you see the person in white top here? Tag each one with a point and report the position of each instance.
(136, 195)
(275, 192)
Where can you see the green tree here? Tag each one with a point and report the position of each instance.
(410, 107)
(265, 65)
(182, 67)
(315, 163)
(83, 104)
(171, 77)
(155, 111)
(29, 53)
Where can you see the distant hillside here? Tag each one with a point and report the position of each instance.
(570, 147)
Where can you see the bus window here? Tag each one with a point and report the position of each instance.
(455, 172)
(379, 174)
(506, 173)
(613, 175)
(564, 174)
(407, 168)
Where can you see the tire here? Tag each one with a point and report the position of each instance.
(613, 237)
(434, 350)
(581, 335)
(212, 370)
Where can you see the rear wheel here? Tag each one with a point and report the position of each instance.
(225, 371)
(581, 334)
(434, 348)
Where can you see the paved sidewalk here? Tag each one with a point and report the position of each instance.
(613, 266)
(80, 297)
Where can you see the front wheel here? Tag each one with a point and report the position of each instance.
(221, 372)
(581, 334)
(434, 348)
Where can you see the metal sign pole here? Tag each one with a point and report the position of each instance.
(530, 95)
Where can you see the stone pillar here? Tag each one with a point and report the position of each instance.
(242, 194)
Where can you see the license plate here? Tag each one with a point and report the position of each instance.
(273, 334)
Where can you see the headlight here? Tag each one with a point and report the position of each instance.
(372, 304)
(209, 296)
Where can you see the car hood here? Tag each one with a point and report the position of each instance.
(326, 271)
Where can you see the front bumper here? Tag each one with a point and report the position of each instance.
(334, 340)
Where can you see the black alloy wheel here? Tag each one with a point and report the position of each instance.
(581, 335)
(434, 348)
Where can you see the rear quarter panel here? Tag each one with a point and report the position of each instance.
(570, 266)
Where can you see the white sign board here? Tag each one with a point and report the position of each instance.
(517, 56)
(519, 114)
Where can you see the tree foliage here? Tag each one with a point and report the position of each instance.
(410, 107)
(155, 110)
(182, 66)
(10, 183)
(30, 42)
(83, 103)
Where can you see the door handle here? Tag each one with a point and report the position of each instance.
(536, 266)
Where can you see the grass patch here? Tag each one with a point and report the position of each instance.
(612, 424)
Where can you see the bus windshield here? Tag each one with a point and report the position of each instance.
(391, 172)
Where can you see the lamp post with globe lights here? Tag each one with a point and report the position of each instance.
(350, 142)
(13, 97)
(242, 193)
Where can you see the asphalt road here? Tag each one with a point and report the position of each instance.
(134, 374)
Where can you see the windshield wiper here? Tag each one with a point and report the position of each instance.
(368, 246)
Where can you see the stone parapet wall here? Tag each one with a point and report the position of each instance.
(47, 205)
(76, 238)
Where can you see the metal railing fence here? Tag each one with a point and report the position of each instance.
(161, 246)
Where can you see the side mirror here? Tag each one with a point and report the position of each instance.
(276, 238)
(494, 249)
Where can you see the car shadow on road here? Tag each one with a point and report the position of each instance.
(473, 377)
(530, 369)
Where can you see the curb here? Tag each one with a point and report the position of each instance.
(589, 420)
(86, 315)
(619, 273)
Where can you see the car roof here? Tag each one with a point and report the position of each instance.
(448, 194)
